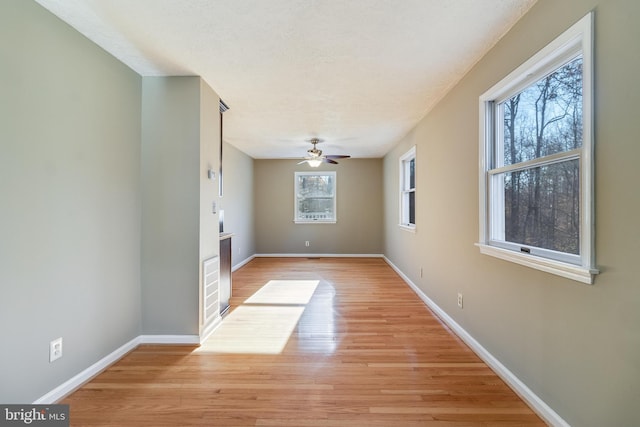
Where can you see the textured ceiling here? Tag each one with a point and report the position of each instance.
(358, 73)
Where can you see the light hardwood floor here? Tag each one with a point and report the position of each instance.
(308, 342)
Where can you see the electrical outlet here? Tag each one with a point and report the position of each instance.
(55, 349)
(459, 299)
(306, 243)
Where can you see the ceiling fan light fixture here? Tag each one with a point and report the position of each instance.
(315, 156)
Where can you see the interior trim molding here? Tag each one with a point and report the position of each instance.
(520, 388)
(77, 381)
(291, 255)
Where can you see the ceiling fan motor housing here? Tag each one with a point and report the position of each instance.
(314, 152)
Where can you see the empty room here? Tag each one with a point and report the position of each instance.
(319, 213)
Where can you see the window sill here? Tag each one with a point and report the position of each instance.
(569, 271)
(409, 228)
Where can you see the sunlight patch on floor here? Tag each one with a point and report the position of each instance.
(284, 292)
(254, 329)
(266, 320)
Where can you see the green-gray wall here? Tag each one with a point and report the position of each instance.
(180, 143)
(576, 346)
(107, 209)
(359, 201)
(69, 201)
(237, 202)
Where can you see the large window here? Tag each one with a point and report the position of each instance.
(315, 197)
(536, 183)
(408, 190)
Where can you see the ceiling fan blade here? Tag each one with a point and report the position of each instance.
(337, 156)
(327, 160)
(304, 161)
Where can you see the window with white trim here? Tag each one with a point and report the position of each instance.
(408, 189)
(315, 197)
(536, 157)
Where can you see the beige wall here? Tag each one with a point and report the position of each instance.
(359, 201)
(576, 346)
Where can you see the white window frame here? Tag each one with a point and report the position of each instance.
(406, 190)
(317, 220)
(576, 41)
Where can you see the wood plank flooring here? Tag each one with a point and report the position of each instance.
(308, 342)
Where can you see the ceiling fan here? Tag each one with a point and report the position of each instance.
(315, 157)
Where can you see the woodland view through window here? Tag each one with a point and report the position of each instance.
(315, 197)
(542, 194)
(537, 175)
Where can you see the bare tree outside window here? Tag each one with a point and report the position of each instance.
(536, 180)
(541, 201)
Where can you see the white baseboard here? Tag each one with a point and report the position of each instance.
(538, 405)
(241, 263)
(290, 255)
(83, 377)
(170, 339)
(206, 333)
(86, 375)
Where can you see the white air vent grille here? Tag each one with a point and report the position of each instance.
(210, 294)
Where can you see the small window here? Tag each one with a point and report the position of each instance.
(408, 190)
(315, 197)
(536, 183)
